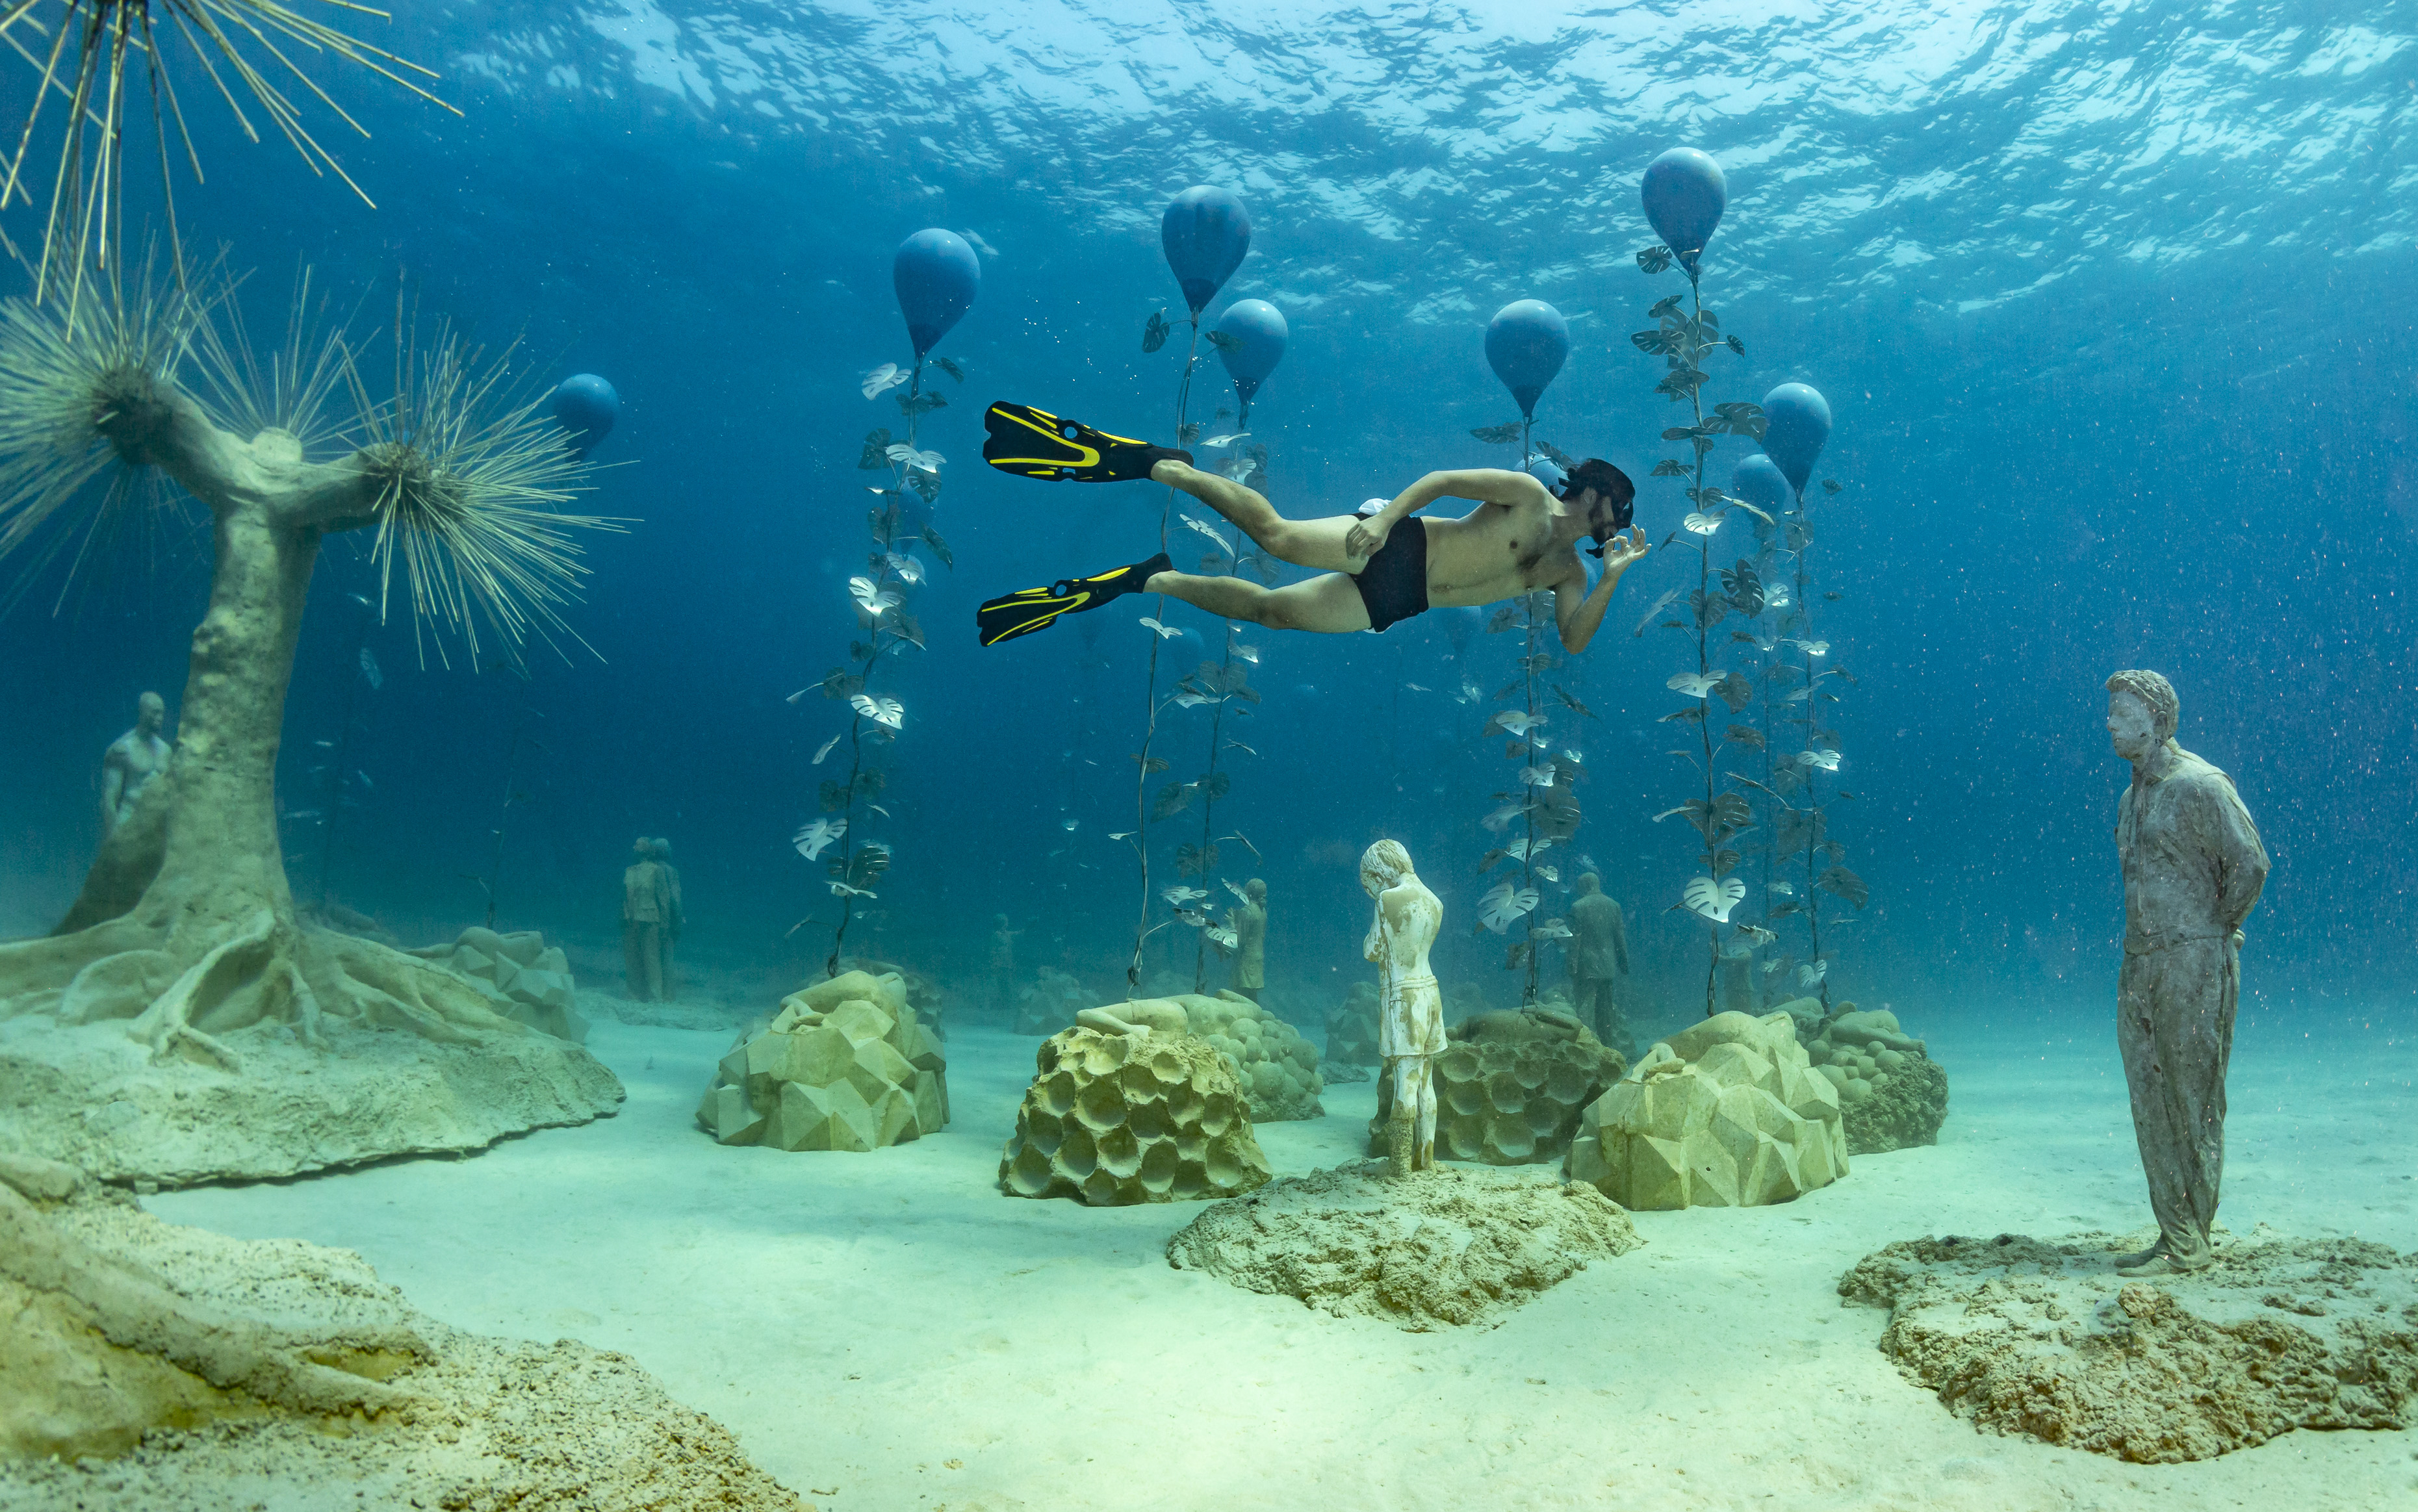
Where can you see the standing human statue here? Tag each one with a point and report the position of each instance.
(644, 903)
(1249, 918)
(1597, 956)
(2192, 869)
(674, 915)
(133, 761)
(1003, 965)
(1410, 1005)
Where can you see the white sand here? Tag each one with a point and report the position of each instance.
(887, 1331)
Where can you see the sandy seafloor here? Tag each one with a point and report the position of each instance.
(889, 1332)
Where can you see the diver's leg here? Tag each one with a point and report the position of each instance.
(1317, 544)
(1328, 604)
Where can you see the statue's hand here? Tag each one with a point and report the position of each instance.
(1365, 539)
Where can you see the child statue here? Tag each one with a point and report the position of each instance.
(133, 760)
(1249, 922)
(2194, 868)
(1410, 1012)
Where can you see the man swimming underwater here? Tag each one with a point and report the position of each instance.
(1380, 568)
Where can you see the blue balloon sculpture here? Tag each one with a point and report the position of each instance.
(1797, 420)
(1549, 472)
(937, 276)
(1759, 481)
(1527, 343)
(1206, 231)
(1260, 328)
(586, 407)
(1685, 193)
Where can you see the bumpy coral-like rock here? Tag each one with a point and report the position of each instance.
(1509, 1087)
(528, 980)
(1352, 1028)
(2043, 1338)
(1050, 1003)
(1441, 1247)
(1116, 1119)
(1726, 1113)
(1892, 1094)
(1276, 1067)
(844, 1066)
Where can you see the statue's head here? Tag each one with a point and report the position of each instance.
(1003, 921)
(1588, 883)
(1382, 865)
(150, 713)
(642, 848)
(1256, 891)
(659, 848)
(2142, 710)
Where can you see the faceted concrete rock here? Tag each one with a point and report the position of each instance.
(1727, 1113)
(527, 980)
(844, 1066)
(1117, 1119)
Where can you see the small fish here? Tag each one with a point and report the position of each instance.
(887, 712)
(1418, 687)
(1552, 929)
(303, 813)
(1227, 440)
(827, 746)
(812, 840)
(1580, 708)
(1169, 632)
(1125, 835)
(1757, 934)
(1782, 888)
(841, 890)
(1237, 746)
(370, 672)
(1248, 654)
(1069, 825)
(1652, 610)
(325, 745)
(363, 778)
(878, 809)
(1208, 530)
(882, 380)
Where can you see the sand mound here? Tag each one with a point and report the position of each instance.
(1445, 1246)
(2043, 1339)
(166, 1366)
(92, 1097)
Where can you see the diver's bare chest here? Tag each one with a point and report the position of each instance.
(1481, 563)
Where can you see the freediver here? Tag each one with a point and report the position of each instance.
(1380, 567)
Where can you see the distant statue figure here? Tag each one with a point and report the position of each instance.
(644, 903)
(1249, 922)
(674, 915)
(1597, 956)
(2192, 869)
(1003, 965)
(1410, 1006)
(133, 760)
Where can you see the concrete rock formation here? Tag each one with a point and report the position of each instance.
(1456, 1246)
(1117, 1119)
(1050, 1003)
(1510, 1086)
(151, 1366)
(2043, 1339)
(528, 980)
(1352, 1028)
(1890, 1093)
(1726, 1113)
(844, 1066)
(1276, 1067)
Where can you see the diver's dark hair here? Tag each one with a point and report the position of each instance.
(1609, 482)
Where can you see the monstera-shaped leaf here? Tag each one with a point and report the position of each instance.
(1503, 903)
(1714, 899)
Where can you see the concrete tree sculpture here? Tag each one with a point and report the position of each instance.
(185, 925)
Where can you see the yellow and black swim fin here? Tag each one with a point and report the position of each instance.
(1022, 614)
(1033, 443)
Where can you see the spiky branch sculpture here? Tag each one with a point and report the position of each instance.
(184, 924)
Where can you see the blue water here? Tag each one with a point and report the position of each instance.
(2112, 303)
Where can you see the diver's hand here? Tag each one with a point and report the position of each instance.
(1622, 552)
(1367, 538)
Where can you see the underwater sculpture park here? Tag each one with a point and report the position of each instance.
(1575, 756)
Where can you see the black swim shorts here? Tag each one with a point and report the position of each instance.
(1394, 586)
